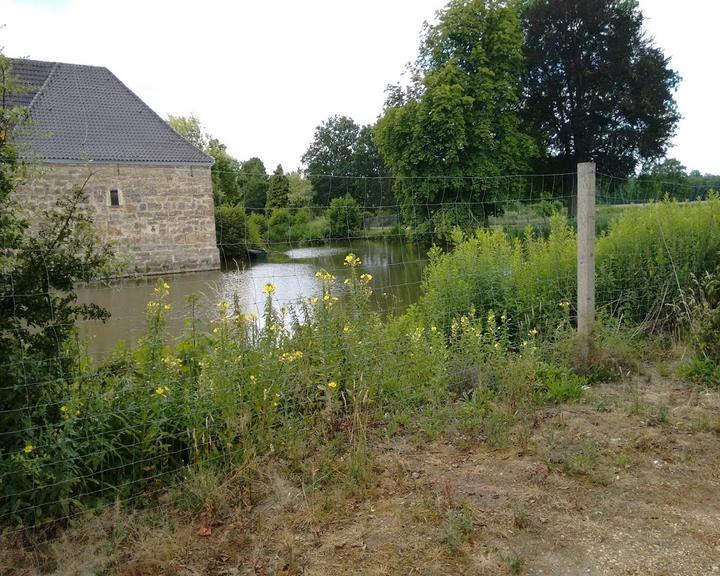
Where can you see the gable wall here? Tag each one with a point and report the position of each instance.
(165, 222)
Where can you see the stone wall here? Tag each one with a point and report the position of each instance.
(165, 221)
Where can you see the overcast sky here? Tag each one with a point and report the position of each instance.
(262, 74)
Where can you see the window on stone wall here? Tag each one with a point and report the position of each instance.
(114, 197)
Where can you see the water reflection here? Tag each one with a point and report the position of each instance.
(396, 269)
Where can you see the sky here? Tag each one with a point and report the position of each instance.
(261, 75)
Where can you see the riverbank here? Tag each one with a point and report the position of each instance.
(621, 482)
(396, 268)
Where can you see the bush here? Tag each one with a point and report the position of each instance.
(526, 280)
(235, 232)
(345, 217)
(648, 254)
(641, 262)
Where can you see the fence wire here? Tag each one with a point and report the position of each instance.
(309, 316)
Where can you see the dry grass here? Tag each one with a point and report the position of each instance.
(625, 482)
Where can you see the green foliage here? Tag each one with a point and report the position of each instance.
(596, 88)
(641, 261)
(278, 190)
(253, 183)
(459, 116)
(701, 306)
(38, 312)
(225, 174)
(526, 280)
(648, 254)
(235, 232)
(225, 170)
(190, 128)
(301, 192)
(343, 159)
(345, 217)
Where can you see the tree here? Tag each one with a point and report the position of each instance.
(278, 190)
(190, 128)
(253, 182)
(38, 304)
(374, 188)
(225, 174)
(343, 159)
(345, 217)
(458, 117)
(301, 191)
(225, 168)
(329, 159)
(596, 88)
(665, 178)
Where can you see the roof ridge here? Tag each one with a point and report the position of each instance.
(44, 84)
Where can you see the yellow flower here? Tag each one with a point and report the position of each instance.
(161, 390)
(28, 448)
(167, 307)
(252, 377)
(324, 276)
(166, 286)
(222, 305)
(63, 409)
(503, 318)
(533, 333)
(313, 300)
(332, 385)
(352, 260)
(269, 288)
(565, 304)
(365, 278)
(433, 328)
(254, 315)
(289, 357)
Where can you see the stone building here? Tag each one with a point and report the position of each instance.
(148, 189)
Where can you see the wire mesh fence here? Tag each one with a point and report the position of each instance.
(322, 318)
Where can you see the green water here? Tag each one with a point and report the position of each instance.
(396, 269)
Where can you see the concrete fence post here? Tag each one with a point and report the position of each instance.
(585, 260)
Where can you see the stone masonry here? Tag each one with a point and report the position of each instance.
(165, 218)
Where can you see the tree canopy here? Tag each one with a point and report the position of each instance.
(343, 159)
(253, 182)
(596, 88)
(458, 117)
(278, 189)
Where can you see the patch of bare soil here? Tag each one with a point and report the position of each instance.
(626, 482)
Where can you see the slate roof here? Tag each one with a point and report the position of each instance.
(84, 113)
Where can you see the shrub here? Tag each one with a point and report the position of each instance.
(525, 280)
(235, 232)
(641, 262)
(345, 217)
(648, 254)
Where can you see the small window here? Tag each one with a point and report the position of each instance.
(114, 197)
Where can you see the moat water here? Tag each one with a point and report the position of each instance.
(396, 269)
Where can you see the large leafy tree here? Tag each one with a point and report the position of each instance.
(596, 88)
(343, 159)
(459, 116)
(278, 189)
(329, 159)
(253, 181)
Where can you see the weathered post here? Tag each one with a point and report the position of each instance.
(585, 260)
